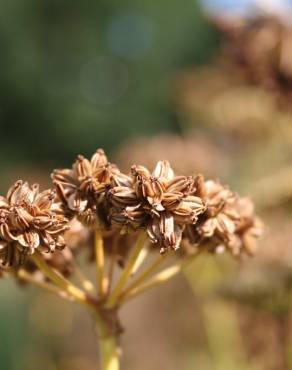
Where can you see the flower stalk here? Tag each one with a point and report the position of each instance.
(60, 281)
(29, 278)
(160, 278)
(113, 298)
(142, 284)
(100, 262)
(144, 276)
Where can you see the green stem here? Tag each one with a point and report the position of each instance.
(60, 281)
(109, 353)
(140, 286)
(108, 344)
(127, 272)
(100, 261)
(145, 275)
(160, 278)
(29, 278)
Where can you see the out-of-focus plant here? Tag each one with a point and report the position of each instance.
(235, 107)
(192, 153)
(243, 98)
(68, 70)
(264, 287)
(130, 216)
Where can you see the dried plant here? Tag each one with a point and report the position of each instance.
(29, 221)
(192, 153)
(160, 202)
(260, 48)
(219, 98)
(229, 221)
(82, 188)
(247, 89)
(137, 221)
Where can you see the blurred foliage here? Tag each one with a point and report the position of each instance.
(78, 75)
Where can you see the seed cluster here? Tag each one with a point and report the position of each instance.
(171, 209)
(229, 221)
(29, 220)
(159, 201)
(82, 188)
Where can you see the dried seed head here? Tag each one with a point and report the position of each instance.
(128, 218)
(249, 229)
(160, 202)
(29, 220)
(228, 222)
(81, 189)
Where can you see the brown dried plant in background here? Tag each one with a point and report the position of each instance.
(192, 153)
(243, 99)
(246, 89)
(261, 49)
(217, 97)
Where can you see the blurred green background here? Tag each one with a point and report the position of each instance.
(74, 76)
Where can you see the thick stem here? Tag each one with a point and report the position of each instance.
(108, 344)
(109, 353)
